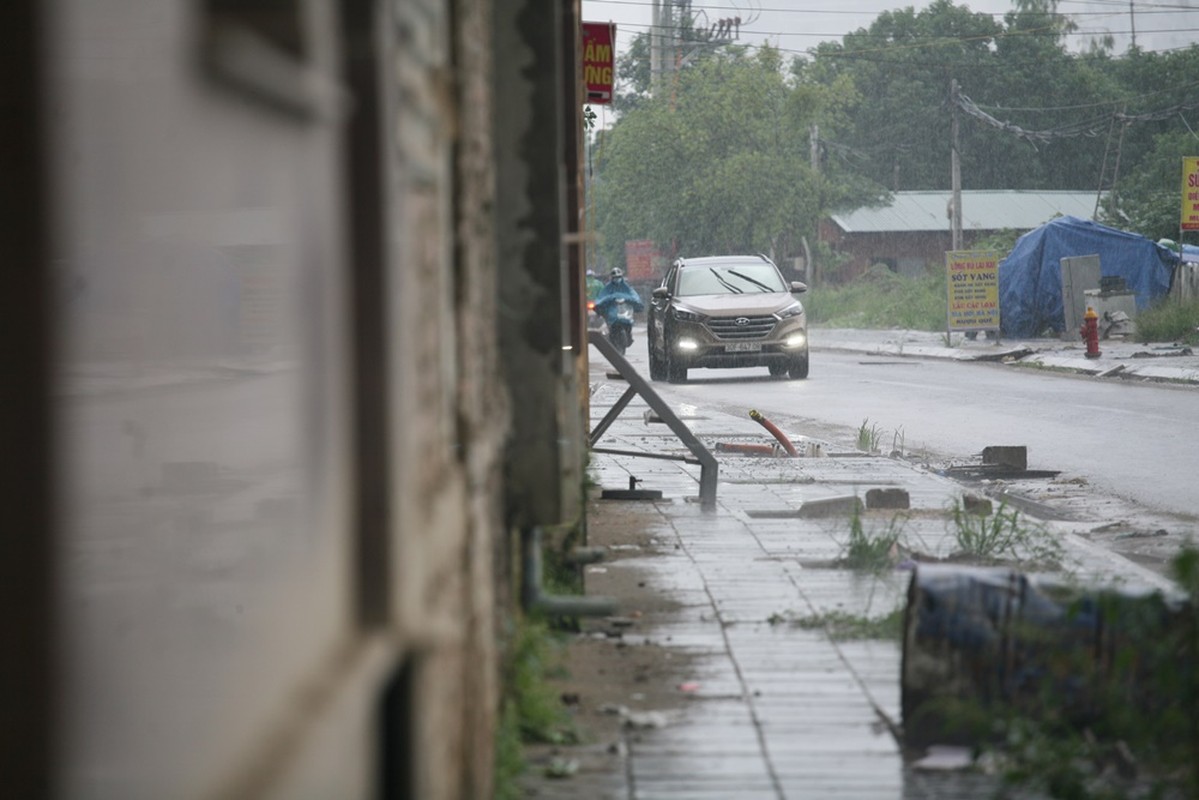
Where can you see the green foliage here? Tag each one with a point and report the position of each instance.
(509, 756)
(720, 164)
(872, 550)
(1020, 71)
(880, 298)
(722, 161)
(535, 656)
(1148, 198)
(529, 710)
(869, 435)
(1001, 242)
(1170, 321)
(1000, 535)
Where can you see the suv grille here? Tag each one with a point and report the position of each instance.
(728, 329)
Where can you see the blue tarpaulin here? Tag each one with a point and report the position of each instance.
(1030, 278)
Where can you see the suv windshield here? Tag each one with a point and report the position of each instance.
(729, 279)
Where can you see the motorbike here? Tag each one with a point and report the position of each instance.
(620, 329)
(595, 322)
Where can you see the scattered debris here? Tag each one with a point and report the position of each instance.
(645, 720)
(1164, 352)
(1143, 534)
(689, 687)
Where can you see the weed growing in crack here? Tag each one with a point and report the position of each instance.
(530, 712)
(1002, 534)
(873, 550)
(869, 435)
(842, 626)
(897, 443)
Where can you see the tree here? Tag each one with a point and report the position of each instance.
(722, 164)
(1149, 201)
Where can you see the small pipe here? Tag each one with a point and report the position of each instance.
(533, 596)
(585, 555)
(757, 417)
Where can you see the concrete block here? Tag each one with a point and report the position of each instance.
(1015, 457)
(888, 498)
(843, 505)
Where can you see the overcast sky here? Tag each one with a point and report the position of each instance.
(797, 25)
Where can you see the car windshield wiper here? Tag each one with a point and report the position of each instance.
(755, 282)
(724, 283)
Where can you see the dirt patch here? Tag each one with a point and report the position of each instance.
(613, 667)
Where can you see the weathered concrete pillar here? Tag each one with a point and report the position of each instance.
(535, 176)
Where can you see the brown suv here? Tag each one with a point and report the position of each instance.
(726, 311)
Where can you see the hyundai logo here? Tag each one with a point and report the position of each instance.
(741, 321)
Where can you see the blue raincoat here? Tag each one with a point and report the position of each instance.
(605, 302)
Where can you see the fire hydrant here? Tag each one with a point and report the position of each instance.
(1090, 332)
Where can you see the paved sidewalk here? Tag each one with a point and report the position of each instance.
(1117, 358)
(778, 710)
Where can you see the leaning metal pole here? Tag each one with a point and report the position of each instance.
(709, 469)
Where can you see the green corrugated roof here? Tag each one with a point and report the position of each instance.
(981, 211)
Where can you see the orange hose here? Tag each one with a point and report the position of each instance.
(757, 417)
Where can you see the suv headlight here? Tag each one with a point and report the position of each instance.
(684, 315)
(793, 310)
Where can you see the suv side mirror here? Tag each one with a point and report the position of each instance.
(661, 293)
(798, 287)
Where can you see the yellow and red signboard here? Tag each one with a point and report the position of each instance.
(599, 60)
(973, 285)
(1189, 221)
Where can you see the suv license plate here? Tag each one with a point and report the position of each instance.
(743, 347)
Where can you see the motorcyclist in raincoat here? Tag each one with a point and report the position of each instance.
(605, 302)
(616, 302)
(594, 285)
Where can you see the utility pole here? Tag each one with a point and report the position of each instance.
(669, 47)
(1132, 19)
(814, 148)
(655, 50)
(955, 169)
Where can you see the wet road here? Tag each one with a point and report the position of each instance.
(1132, 440)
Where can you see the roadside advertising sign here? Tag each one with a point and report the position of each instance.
(1189, 221)
(973, 287)
(599, 60)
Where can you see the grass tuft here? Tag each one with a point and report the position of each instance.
(1169, 321)
(869, 436)
(1002, 535)
(873, 550)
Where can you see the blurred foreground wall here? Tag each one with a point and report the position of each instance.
(255, 511)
